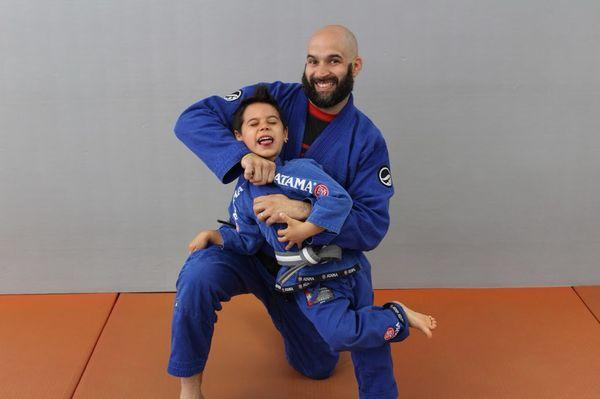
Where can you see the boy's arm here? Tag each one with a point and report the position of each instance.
(331, 204)
(296, 231)
(246, 238)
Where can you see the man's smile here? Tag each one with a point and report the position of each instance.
(325, 84)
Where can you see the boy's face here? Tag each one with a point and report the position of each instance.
(262, 130)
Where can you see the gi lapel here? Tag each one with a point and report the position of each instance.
(333, 144)
(296, 125)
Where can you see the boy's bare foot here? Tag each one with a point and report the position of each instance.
(420, 321)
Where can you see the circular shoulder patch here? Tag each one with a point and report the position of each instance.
(385, 176)
(233, 96)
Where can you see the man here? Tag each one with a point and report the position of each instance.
(323, 125)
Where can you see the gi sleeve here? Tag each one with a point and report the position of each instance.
(370, 189)
(331, 204)
(205, 128)
(246, 238)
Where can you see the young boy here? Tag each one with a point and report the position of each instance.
(326, 283)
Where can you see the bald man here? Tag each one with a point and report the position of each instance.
(323, 124)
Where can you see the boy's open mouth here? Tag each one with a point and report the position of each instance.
(265, 140)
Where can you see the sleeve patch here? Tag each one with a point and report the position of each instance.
(385, 176)
(321, 190)
(233, 96)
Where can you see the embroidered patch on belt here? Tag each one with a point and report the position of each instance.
(324, 294)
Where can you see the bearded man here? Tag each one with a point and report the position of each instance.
(323, 124)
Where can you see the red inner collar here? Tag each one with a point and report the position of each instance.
(317, 113)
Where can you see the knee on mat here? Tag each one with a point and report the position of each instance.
(310, 367)
(319, 372)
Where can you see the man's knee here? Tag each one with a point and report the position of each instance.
(200, 284)
(314, 367)
(320, 372)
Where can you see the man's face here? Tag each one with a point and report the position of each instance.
(329, 72)
(327, 91)
(262, 130)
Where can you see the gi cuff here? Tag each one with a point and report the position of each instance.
(402, 318)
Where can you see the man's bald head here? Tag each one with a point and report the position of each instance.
(339, 35)
(332, 63)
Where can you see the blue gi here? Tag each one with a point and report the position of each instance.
(360, 164)
(299, 179)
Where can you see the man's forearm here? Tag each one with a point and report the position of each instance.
(269, 207)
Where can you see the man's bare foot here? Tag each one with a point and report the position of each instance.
(190, 387)
(420, 321)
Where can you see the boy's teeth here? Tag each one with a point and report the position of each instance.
(265, 139)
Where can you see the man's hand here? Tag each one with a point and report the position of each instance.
(258, 170)
(296, 231)
(204, 238)
(268, 208)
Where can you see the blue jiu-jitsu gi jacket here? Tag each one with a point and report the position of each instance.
(299, 179)
(350, 149)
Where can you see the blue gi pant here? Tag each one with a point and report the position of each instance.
(214, 275)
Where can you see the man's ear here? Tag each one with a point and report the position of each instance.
(357, 65)
(238, 135)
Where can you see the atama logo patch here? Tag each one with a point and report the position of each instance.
(389, 333)
(321, 190)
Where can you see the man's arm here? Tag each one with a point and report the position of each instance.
(331, 203)
(205, 129)
(368, 220)
(371, 189)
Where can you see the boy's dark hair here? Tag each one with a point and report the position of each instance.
(260, 95)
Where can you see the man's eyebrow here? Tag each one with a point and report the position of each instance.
(328, 56)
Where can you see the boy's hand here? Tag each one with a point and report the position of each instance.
(268, 208)
(296, 231)
(258, 170)
(204, 238)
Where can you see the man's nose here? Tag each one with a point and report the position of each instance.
(322, 71)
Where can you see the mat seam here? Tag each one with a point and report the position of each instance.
(95, 344)
(585, 304)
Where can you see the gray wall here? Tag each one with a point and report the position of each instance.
(490, 110)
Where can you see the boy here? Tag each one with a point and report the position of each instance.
(328, 293)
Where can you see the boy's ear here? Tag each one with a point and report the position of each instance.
(238, 135)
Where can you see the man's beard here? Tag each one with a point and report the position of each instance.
(328, 100)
